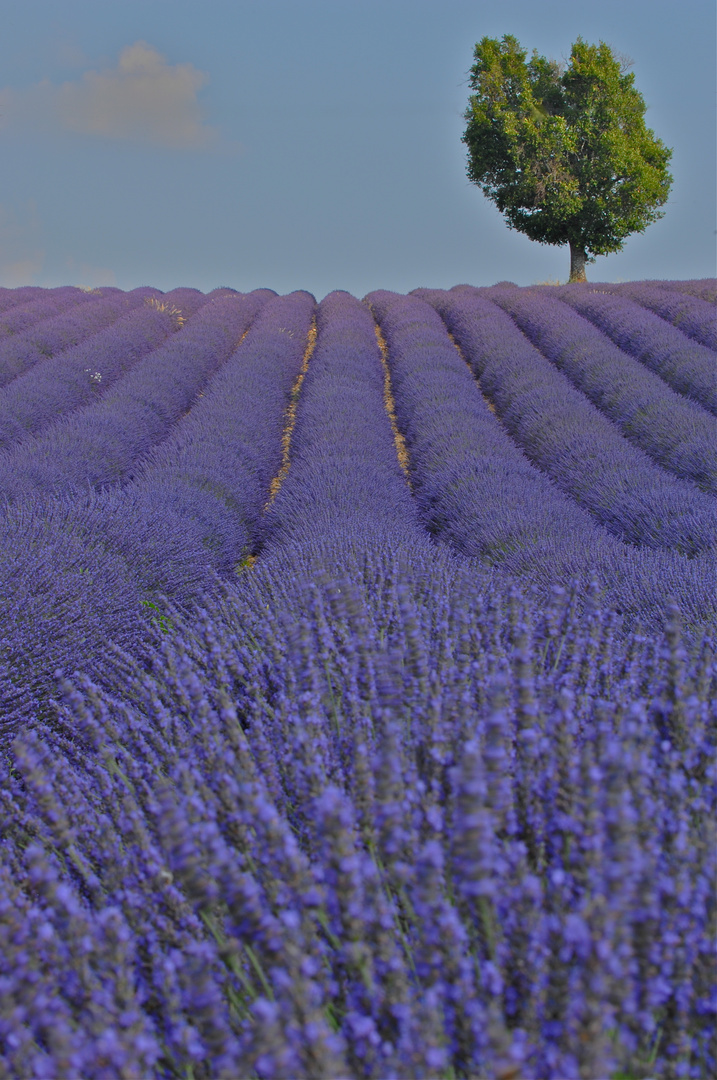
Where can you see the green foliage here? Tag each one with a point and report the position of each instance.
(159, 620)
(564, 154)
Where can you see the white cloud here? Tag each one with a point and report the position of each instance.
(21, 258)
(143, 98)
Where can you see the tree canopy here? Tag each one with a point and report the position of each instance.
(563, 151)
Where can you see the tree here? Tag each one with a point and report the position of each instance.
(564, 151)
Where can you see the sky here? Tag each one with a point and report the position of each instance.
(311, 144)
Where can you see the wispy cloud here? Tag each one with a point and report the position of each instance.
(21, 257)
(143, 98)
(88, 275)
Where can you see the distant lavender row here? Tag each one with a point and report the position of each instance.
(704, 288)
(63, 329)
(675, 433)
(395, 824)
(479, 493)
(23, 316)
(691, 315)
(686, 366)
(71, 378)
(344, 476)
(565, 435)
(25, 294)
(98, 444)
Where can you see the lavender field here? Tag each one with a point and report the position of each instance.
(358, 694)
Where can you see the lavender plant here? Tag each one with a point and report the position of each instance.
(511, 878)
(211, 477)
(345, 473)
(189, 513)
(704, 288)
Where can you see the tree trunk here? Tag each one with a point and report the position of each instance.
(577, 262)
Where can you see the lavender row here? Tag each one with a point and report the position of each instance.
(344, 475)
(689, 368)
(98, 444)
(396, 824)
(25, 294)
(188, 513)
(212, 477)
(29, 311)
(477, 492)
(569, 439)
(62, 330)
(693, 316)
(675, 432)
(72, 378)
(704, 288)
(63, 594)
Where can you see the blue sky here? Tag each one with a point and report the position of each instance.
(310, 144)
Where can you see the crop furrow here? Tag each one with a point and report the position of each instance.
(290, 417)
(390, 407)
(345, 474)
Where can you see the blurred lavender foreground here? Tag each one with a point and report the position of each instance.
(405, 766)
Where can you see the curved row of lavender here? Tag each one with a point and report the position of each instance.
(26, 294)
(59, 328)
(686, 366)
(464, 464)
(209, 481)
(22, 313)
(96, 445)
(393, 824)
(66, 380)
(676, 433)
(704, 288)
(81, 570)
(568, 438)
(694, 316)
